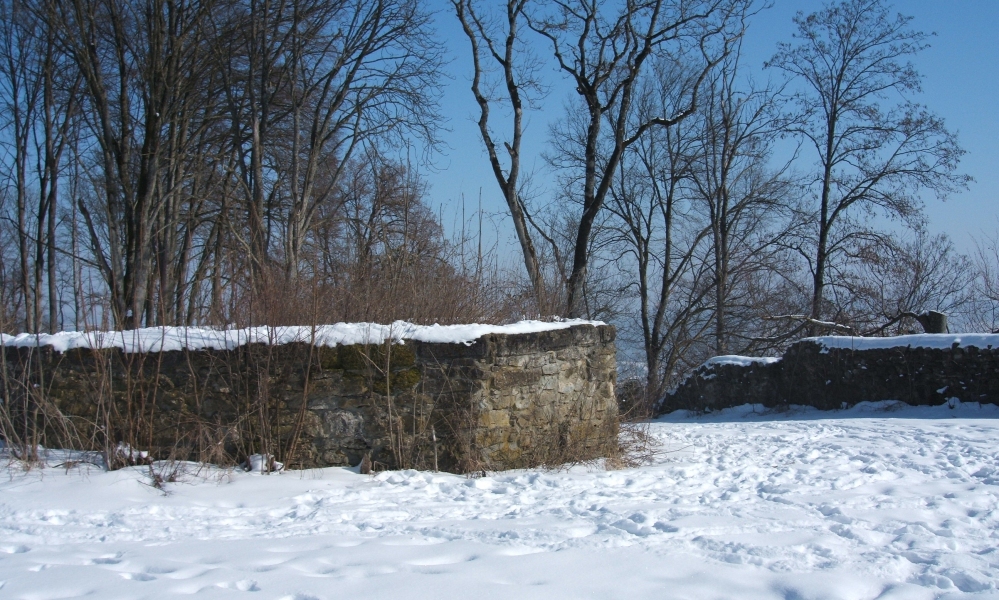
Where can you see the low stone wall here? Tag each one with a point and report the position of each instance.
(502, 401)
(811, 373)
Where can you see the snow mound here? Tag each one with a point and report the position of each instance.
(262, 463)
(162, 339)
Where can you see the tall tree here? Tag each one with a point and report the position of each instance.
(39, 93)
(130, 57)
(896, 278)
(746, 200)
(499, 41)
(20, 96)
(605, 52)
(874, 148)
(659, 236)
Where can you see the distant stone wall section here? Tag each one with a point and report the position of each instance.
(502, 401)
(811, 374)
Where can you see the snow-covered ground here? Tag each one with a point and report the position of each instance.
(864, 503)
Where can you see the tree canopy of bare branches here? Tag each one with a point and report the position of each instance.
(874, 149)
(200, 138)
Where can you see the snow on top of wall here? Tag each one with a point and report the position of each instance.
(156, 339)
(741, 361)
(925, 340)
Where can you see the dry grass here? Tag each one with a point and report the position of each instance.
(636, 447)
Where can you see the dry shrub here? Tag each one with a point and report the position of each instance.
(634, 401)
(563, 446)
(567, 439)
(30, 421)
(636, 444)
(636, 447)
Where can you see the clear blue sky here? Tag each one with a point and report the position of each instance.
(960, 82)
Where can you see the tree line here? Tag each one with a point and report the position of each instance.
(208, 162)
(168, 162)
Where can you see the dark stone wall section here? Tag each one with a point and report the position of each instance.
(831, 378)
(503, 401)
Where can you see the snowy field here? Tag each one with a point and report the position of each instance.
(865, 503)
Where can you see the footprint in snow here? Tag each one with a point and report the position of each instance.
(188, 573)
(14, 549)
(435, 561)
(519, 551)
(243, 585)
(410, 541)
(160, 570)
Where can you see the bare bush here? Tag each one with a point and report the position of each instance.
(984, 311)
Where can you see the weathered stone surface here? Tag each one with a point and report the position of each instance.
(504, 401)
(832, 378)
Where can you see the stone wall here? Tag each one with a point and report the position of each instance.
(502, 401)
(812, 374)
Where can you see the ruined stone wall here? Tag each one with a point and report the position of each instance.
(502, 401)
(528, 399)
(811, 374)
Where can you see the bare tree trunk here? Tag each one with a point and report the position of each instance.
(822, 246)
(20, 99)
(515, 84)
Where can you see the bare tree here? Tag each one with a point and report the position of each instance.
(605, 52)
(984, 312)
(308, 84)
(60, 86)
(21, 95)
(364, 72)
(497, 40)
(747, 201)
(875, 150)
(661, 236)
(133, 60)
(197, 143)
(378, 253)
(40, 98)
(897, 279)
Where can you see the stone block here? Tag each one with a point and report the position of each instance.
(493, 419)
(566, 387)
